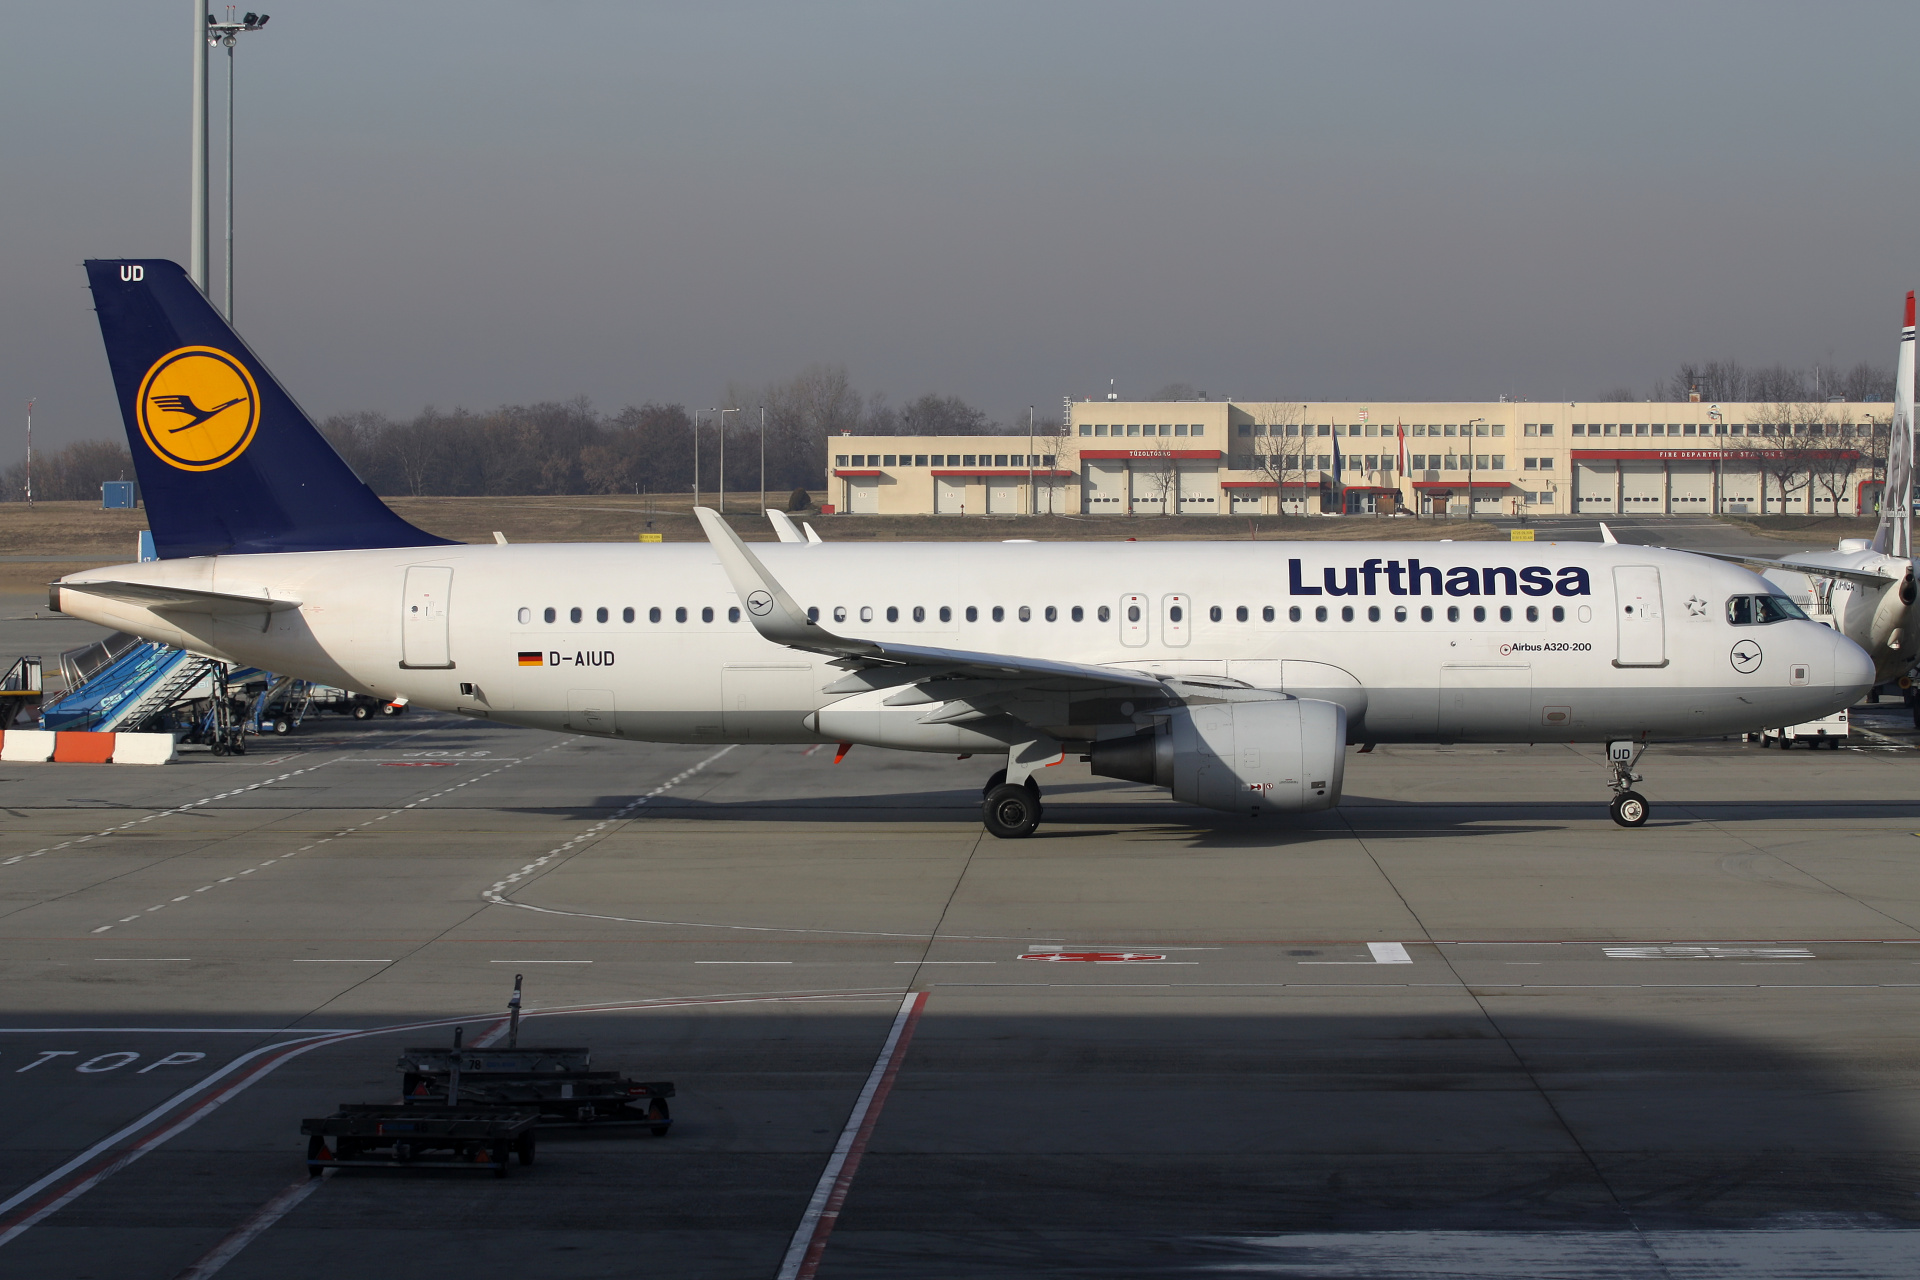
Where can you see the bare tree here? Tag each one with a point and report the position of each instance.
(1277, 446)
(1785, 453)
(1833, 455)
(1158, 480)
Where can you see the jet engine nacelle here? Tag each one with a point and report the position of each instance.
(1285, 755)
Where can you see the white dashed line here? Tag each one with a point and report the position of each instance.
(345, 831)
(496, 893)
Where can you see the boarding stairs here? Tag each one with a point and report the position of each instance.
(123, 682)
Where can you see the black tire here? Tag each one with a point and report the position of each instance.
(281, 726)
(657, 1110)
(523, 1147)
(1010, 812)
(1630, 809)
(361, 711)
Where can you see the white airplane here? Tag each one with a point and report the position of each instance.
(1866, 587)
(1234, 673)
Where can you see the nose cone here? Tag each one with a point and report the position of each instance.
(1852, 669)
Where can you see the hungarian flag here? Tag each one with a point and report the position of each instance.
(1400, 433)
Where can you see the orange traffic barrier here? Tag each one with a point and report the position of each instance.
(83, 748)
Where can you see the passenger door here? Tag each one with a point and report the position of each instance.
(1133, 620)
(1642, 622)
(423, 617)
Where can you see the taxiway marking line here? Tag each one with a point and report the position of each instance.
(830, 1193)
(345, 831)
(250, 1230)
(62, 1194)
(167, 813)
(496, 893)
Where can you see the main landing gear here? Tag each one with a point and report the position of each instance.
(1010, 810)
(1629, 808)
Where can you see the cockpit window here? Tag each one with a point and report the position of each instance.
(1755, 611)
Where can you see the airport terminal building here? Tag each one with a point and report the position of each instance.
(1200, 457)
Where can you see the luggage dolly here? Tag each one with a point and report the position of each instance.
(558, 1084)
(390, 1135)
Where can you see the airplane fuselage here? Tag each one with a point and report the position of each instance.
(1421, 642)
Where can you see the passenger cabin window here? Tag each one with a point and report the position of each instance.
(893, 613)
(653, 614)
(973, 613)
(1214, 614)
(1266, 614)
(680, 614)
(999, 614)
(550, 615)
(1078, 614)
(733, 614)
(573, 614)
(839, 613)
(1103, 614)
(946, 613)
(706, 614)
(600, 614)
(525, 616)
(1293, 614)
(1757, 611)
(919, 613)
(626, 614)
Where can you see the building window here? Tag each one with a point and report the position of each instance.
(1546, 428)
(1199, 429)
(1246, 429)
(999, 459)
(1499, 462)
(1530, 429)
(1085, 430)
(840, 460)
(1100, 430)
(1579, 428)
(1480, 462)
(919, 459)
(1180, 429)
(1529, 464)
(1546, 464)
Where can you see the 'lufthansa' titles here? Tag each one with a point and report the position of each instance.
(1414, 578)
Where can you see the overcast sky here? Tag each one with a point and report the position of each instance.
(477, 203)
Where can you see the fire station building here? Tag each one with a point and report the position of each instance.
(1442, 458)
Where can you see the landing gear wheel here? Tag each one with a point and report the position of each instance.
(1011, 811)
(1629, 809)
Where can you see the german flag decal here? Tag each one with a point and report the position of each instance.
(532, 658)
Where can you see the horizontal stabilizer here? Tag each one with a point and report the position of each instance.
(180, 599)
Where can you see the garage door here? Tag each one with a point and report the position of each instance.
(863, 496)
(1248, 502)
(1692, 485)
(1642, 488)
(1003, 495)
(950, 495)
(1199, 487)
(1106, 487)
(1595, 486)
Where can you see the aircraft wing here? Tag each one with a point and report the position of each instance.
(777, 618)
(184, 599)
(1863, 577)
(783, 526)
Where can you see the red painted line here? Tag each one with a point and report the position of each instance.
(830, 1194)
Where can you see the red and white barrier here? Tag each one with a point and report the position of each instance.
(38, 746)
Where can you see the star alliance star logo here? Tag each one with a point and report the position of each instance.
(1696, 608)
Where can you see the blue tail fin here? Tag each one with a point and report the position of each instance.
(227, 461)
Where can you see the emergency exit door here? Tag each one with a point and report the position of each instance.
(423, 617)
(1638, 614)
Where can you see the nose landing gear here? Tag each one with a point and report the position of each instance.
(1629, 808)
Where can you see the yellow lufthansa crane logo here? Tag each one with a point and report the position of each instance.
(198, 408)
